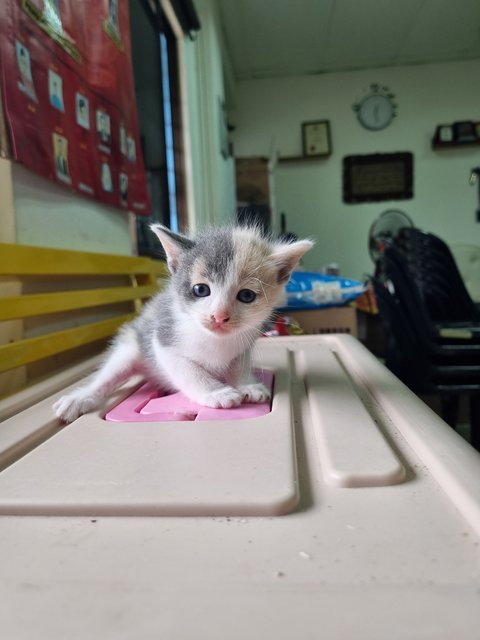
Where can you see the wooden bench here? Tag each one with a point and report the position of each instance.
(58, 307)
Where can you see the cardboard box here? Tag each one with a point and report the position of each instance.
(330, 320)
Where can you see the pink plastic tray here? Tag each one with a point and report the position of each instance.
(147, 404)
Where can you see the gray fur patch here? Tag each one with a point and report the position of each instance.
(156, 320)
(216, 249)
(165, 329)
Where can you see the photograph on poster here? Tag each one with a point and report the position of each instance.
(106, 177)
(111, 25)
(60, 154)
(113, 15)
(46, 15)
(123, 187)
(82, 111)
(123, 140)
(51, 15)
(25, 83)
(131, 151)
(103, 126)
(55, 90)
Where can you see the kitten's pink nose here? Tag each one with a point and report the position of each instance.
(219, 318)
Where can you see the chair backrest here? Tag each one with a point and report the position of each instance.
(437, 277)
(409, 295)
(405, 355)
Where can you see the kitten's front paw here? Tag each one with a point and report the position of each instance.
(223, 398)
(255, 392)
(68, 408)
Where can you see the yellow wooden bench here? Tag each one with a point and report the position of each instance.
(59, 306)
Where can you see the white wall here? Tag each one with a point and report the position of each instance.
(49, 215)
(271, 112)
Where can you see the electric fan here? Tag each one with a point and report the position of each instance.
(384, 229)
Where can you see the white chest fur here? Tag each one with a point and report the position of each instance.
(214, 352)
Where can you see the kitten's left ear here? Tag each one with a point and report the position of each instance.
(287, 256)
(174, 244)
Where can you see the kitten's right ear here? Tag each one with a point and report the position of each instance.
(174, 244)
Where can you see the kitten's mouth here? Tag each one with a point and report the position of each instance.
(219, 328)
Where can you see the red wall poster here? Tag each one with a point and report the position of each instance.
(68, 96)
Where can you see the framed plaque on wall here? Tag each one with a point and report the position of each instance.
(377, 176)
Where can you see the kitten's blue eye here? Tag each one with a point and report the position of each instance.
(246, 295)
(201, 290)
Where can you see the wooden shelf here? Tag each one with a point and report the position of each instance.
(286, 159)
(437, 144)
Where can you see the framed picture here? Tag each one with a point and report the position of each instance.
(316, 138)
(445, 133)
(464, 131)
(377, 177)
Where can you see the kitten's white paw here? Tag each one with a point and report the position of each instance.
(255, 392)
(68, 408)
(223, 398)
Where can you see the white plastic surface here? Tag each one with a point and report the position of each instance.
(353, 450)
(398, 561)
(95, 467)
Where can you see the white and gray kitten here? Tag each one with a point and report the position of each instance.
(196, 335)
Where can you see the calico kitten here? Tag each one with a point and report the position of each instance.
(196, 335)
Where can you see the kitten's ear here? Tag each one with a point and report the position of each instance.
(287, 256)
(174, 244)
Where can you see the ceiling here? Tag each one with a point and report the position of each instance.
(272, 38)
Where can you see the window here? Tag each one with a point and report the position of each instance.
(155, 67)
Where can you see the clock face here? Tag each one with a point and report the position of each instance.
(375, 112)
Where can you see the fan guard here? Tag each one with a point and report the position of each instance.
(385, 228)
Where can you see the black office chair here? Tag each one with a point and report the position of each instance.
(425, 366)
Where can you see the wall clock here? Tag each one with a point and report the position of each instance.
(377, 109)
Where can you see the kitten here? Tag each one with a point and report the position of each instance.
(196, 335)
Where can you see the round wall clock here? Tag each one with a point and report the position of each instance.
(377, 109)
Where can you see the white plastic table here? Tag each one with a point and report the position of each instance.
(350, 511)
